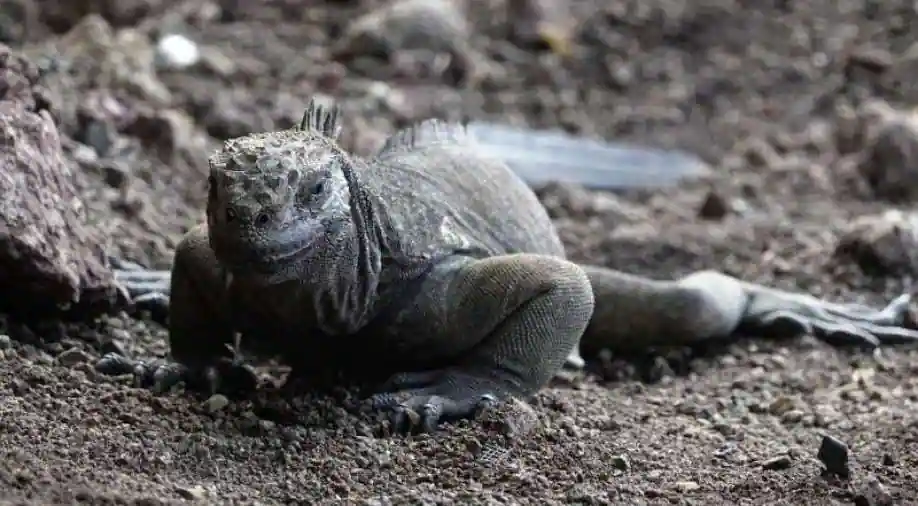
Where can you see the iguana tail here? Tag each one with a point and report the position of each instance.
(634, 313)
(545, 156)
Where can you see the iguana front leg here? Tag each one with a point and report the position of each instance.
(201, 331)
(634, 313)
(504, 325)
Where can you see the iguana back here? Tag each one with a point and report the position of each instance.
(441, 192)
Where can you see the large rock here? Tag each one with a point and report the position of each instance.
(52, 261)
(888, 141)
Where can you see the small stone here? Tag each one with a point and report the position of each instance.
(474, 447)
(620, 462)
(833, 453)
(872, 59)
(99, 135)
(792, 417)
(714, 207)
(873, 493)
(177, 51)
(778, 463)
(113, 346)
(781, 405)
(217, 62)
(5, 342)
(216, 403)
(759, 153)
(686, 486)
(72, 357)
(653, 493)
(195, 493)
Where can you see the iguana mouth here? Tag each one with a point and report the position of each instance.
(276, 252)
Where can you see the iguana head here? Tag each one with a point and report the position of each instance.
(277, 200)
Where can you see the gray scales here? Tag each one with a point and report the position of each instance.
(431, 268)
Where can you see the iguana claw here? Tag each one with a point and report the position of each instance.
(224, 376)
(418, 402)
(836, 324)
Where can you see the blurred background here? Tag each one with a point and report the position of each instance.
(783, 101)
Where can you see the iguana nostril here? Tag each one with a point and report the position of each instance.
(230, 214)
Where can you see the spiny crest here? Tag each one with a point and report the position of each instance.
(322, 116)
(427, 133)
(283, 151)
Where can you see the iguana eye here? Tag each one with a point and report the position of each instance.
(262, 219)
(230, 214)
(318, 188)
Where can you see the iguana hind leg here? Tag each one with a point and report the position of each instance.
(509, 321)
(634, 313)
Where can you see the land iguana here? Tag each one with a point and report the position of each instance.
(434, 266)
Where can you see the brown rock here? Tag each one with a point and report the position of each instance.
(50, 259)
(889, 162)
(414, 34)
(885, 243)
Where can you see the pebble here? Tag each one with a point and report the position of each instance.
(216, 403)
(620, 462)
(686, 486)
(793, 416)
(714, 207)
(195, 493)
(5, 342)
(474, 446)
(833, 453)
(73, 357)
(177, 51)
(781, 405)
(873, 493)
(777, 463)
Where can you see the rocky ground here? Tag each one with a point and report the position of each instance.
(803, 111)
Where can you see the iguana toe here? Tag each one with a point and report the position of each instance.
(224, 376)
(835, 324)
(421, 401)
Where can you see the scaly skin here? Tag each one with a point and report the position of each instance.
(433, 266)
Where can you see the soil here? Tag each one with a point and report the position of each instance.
(770, 93)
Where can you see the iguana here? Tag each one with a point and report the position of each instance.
(434, 266)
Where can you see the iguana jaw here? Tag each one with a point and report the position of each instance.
(274, 259)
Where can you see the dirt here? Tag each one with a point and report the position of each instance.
(777, 96)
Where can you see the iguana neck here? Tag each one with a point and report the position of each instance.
(369, 257)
